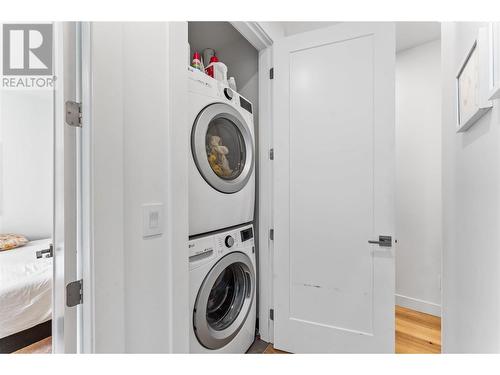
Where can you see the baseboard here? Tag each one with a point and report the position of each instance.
(418, 305)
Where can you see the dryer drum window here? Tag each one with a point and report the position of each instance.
(226, 151)
(222, 147)
(224, 300)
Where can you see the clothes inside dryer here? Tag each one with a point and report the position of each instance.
(226, 151)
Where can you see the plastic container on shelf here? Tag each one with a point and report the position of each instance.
(196, 63)
(220, 72)
(209, 69)
(208, 53)
(232, 84)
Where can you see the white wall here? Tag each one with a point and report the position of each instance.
(418, 178)
(26, 162)
(232, 49)
(137, 145)
(471, 213)
(108, 175)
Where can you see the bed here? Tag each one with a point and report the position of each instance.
(25, 289)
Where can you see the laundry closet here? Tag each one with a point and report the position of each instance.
(223, 120)
(326, 255)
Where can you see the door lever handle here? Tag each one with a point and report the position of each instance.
(47, 253)
(385, 241)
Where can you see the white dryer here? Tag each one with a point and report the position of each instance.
(222, 162)
(222, 278)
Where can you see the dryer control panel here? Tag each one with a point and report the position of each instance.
(209, 248)
(203, 84)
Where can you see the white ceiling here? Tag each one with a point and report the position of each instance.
(293, 27)
(411, 34)
(408, 34)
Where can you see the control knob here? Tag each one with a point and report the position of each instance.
(229, 241)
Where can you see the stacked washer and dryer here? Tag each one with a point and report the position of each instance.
(222, 265)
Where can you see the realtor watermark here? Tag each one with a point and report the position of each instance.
(27, 56)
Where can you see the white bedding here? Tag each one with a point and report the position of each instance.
(25, 288)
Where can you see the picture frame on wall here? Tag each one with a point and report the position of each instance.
(494, 60)
(472, 83)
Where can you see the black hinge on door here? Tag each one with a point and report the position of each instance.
(271, 314)
(74, 293)
(271, 154)
(271, 234)
(271, 73)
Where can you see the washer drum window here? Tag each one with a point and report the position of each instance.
(224, 300)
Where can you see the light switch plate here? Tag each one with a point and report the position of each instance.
(152, 219)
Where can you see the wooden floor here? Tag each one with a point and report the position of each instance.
(41, 347)
(416, 333)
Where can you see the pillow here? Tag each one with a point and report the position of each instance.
(11, 241)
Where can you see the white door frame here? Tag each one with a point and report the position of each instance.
(177, 205)
(72, 334)
(86, 268)
(66, 191)
(262, 41)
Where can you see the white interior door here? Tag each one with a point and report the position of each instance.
(66, 192)
(334, 189)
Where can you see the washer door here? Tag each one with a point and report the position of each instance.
(224, 300)
(222, 148)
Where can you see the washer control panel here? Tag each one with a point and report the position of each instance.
(205, 249)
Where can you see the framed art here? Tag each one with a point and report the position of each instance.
(472, 84)
(494, 60)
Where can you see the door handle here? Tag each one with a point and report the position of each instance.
(385, 241)
(47, 253)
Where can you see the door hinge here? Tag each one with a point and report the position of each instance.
(271, 234)
(271, 314)
(73, 114)
(74, 293)
(271, 73)
(271, 154)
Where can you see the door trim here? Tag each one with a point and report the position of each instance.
(65, 320)
(264, 213)
(87, 341)
(254, 33)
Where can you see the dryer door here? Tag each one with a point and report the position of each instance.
(222, 146)
(224, 300)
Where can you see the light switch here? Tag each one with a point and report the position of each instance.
(152, 219)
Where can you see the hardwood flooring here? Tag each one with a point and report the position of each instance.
(41, 347)
(416, 333)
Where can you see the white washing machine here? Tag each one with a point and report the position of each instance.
(222, 162)
(222, 277)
